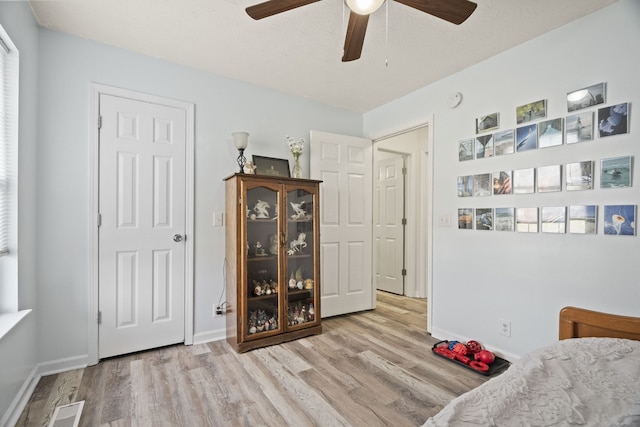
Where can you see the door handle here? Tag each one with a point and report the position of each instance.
(177, 238)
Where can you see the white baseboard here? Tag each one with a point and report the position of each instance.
(11, 417)
(209, 336)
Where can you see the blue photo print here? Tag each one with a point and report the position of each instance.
(527, 138)
(620, 220)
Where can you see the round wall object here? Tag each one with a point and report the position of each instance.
(455, 99)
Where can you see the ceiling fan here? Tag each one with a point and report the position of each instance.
(454, 11)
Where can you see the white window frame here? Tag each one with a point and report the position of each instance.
(10, 315)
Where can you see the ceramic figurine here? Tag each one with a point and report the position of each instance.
(308, 284)
(249, 168)
(298, 244)
(273, 244)
(292, 282)
(274, 286)
(299, 213)
(259, 249)
(261, 209)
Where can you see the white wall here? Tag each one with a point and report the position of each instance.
(18, 349)
(67, 67)
(481, 277)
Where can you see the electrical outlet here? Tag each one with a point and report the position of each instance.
(505, 327)
(218, 311)
(218, 219)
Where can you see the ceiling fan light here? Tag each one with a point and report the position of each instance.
(364, 7)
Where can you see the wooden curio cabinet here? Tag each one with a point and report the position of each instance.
(272, 260)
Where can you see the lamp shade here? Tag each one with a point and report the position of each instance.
(240, 140)
(364, 7)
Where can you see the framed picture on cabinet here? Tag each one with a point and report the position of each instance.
(271, 166)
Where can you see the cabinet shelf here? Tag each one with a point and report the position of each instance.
(254, 320)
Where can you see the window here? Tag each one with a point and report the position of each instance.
(8, 177)
(4, 148)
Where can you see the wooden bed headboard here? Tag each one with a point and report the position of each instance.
(580, 323)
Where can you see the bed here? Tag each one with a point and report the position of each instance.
(590, 377)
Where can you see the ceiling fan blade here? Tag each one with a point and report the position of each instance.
(454, 11)
(354, 39)
(273, 7)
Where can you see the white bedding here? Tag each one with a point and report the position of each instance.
(576, 382)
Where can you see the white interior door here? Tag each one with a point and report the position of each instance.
(344, 164)
(388, 220)
(141, 238)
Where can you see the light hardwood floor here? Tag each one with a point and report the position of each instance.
(368, 369)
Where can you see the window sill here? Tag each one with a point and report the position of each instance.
(9, 320)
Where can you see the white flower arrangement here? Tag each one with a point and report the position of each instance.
(295, 145)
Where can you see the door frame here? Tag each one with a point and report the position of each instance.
(424, 226)
(96, 90)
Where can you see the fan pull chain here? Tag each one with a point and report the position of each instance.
(386, 36)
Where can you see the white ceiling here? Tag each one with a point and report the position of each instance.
(299, 52)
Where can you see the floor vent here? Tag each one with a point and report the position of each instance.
(67, 415)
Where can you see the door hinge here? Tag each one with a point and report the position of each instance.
(99, 122)
(239, 201)
(404, 221)
(99, 317)
(404, 170)
(99, 220)
(404, 271)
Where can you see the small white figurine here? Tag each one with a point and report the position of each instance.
(299, 212)
(249, 168)
(261, 209)
(298, 244)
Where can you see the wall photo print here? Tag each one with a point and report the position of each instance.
(524, 181)
(465, 150)
(527, 220)
(550, 133)
(620, 220)
(553, 219)
(484, 219)
(532, 111)
(482, 185)
(502, 182)
(549, 179)
(465, 218)
(613, 120)
(487, 123)
(465, 186)
(484, 146)
(579, 128)
(579, 176)
(503, 142)
(504, 219)
(586, 97)
(527, 138)
(583, 219)
(615, 172)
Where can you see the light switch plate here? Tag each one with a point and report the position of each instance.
(218, 219)
(445, 220)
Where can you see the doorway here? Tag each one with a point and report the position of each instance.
(411, 194)
(142, 243)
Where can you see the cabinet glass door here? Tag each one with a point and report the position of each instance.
(300, 258)
(262, 272)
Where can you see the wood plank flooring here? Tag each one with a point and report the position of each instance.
(373, 368)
